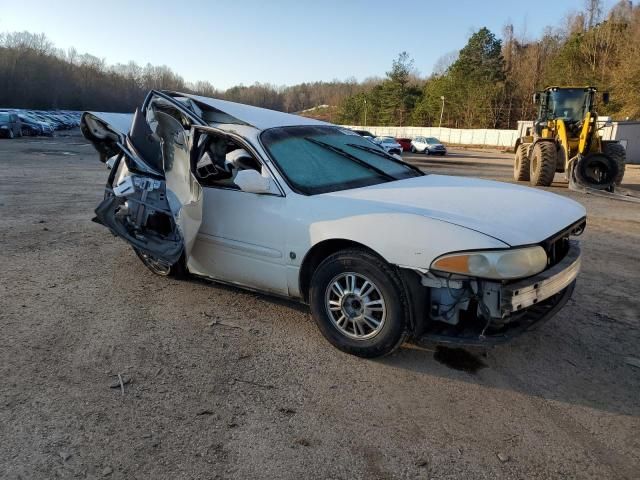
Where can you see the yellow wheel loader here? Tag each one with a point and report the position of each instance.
(564, 138)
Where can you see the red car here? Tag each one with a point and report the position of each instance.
(405, 142)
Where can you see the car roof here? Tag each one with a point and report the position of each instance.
(260, 118)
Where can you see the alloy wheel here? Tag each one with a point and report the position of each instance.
(355, 306)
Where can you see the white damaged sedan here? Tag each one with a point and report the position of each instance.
(303, 209)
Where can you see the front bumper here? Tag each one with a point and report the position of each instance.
(529, 291)
(524, 304)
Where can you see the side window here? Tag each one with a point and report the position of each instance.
(218, 159)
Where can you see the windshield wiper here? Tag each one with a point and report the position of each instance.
(382, 153)
(353, 158)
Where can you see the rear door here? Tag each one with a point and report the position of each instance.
(152, 199)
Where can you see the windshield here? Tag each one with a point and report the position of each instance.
(432, 140)
(568, 104)
(321, 159)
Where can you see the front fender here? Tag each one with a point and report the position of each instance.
(403, 239)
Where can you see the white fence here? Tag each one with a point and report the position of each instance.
(460, 136)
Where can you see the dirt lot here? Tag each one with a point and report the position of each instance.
(272, 399)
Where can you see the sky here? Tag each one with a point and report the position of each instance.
(282, 42)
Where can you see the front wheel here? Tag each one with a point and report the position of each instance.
(157, 266)
(542, 164)
(359, 304)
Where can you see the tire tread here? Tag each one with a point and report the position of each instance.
(521, 170)
(617, 152)
(546, 152)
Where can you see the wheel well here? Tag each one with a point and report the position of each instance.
(317, 254)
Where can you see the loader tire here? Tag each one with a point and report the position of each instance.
(542, 164)
(617, 152)
(597, 171)
(521, 164)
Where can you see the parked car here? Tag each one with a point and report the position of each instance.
(389, 144)
(10, 125)
(428, 145)
(46, 118)
(405, 143)
(365, 133)
(303, 209)
(31, 126)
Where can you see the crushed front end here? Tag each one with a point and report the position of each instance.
(483, 312)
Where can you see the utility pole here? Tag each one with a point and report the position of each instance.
(441, 111)
(365, 112)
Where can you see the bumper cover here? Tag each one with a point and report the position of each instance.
(527, 292)
(530, 302)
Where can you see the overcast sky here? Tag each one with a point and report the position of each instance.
(280, 41)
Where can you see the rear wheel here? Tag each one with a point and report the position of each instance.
(359, 303)
(11, 134)
(163, 269)
(413, 149)
(521, 163)
(542, 164)
(617, 152)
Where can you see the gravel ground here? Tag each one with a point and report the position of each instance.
(265, 396)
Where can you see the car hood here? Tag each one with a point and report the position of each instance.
(513, 214)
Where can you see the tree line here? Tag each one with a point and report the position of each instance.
(36, 75)
(487, 84)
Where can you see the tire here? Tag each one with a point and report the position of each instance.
(413, 149)
(177, 270)
(11, 134)
(385, 327)
(521, 163)
(597, 171)
(426, 151)
(617, 152)
(542, 164)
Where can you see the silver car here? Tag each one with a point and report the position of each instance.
(428, 146)
(389, 144)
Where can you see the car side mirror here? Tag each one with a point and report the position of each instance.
(536, 98)
(605, 97)
(252, 181)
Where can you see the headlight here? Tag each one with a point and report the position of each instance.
(494, 264)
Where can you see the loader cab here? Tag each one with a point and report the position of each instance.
(570, 104)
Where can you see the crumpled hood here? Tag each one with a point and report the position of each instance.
(514, 214)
